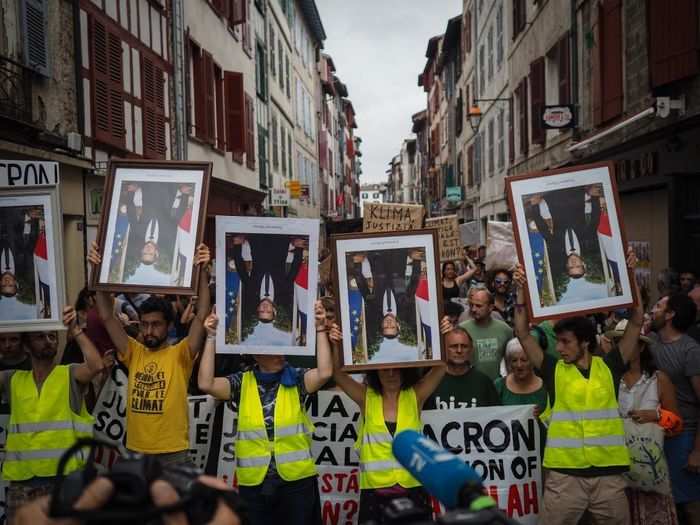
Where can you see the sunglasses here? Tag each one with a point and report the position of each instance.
(501, 281)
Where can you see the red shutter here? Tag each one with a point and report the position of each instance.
(250, 132)
(522, 105)
(564, 70)
(323, 149)
(611, 59)
(673, 40)
(538, 98)
(153, 91)
(210, 105)
(220, 127)
(468, 31)
(511, 131)
(108, 104)
(470, 166)
(235, 112)
(237, 12)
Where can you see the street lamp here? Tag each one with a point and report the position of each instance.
(475, 111)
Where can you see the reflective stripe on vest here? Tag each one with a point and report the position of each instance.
(42, 426)
(378, 466)
(292, 442)
(585, 426)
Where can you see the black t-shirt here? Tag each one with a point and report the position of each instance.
(450, 293)
(617, 366)
(471, 390)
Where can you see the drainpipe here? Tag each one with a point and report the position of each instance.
(573, 44)
(178, 54)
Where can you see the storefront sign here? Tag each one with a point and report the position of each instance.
(294, 187)
(559, 117)
(382, 217)
(449, 239)
(280, 197)
(454, 193)
(22, 173)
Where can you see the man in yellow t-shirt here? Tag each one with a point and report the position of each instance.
(157, 413)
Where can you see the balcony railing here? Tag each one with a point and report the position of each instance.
(15, 91)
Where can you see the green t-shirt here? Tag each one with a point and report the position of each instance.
(471, 390)
(508, 398)
(489, 345)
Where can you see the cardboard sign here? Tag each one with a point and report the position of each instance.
(469, 233)
(23, 173)
(450, 240)
(383, 217)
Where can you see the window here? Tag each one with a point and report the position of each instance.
(262, 157)
(153, 91)
(273, 62)
(470, 165)
(478, 149)
(290, 154)
(490, 44)
(108, 87)
(250, 132)
(289, 91)
(468, 31)
(521, 94)
(482, 70)
(519, 17)
(460, 169)
(281, 63)
(375, 195)
(607, 91)
(501, 132)
(35, 35)
(364, 196)
(237, 12)
(537, 100)
(673, 41)
(236, 123)
(204, 96)
(491, 147)
(273, 143)
(260, 71)
(219, 96)
(499, 36)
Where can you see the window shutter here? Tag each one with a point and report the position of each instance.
(522, 106)
(153, 92)
(673, 40)
(468, 31)
(250, 132)
(564, 70)
(219, 92)
(322, 149)
(516, 18)
(611, 59)
(35, 31)
(236, 125)
(511, 131)
(538, 98)
(237, 12)
(108, 107)
(470, 166)
(200, 99)
(210, 106)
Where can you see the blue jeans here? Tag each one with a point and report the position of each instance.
(279, 501)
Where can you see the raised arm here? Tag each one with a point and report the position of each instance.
(352, 388)
(92, 366)
(315, 378)
(196, 334)
(629, 344)
(219, 387)
(105, 308)
(522, 321)
(471, 270)
(430, 381)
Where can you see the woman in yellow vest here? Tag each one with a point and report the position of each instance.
(585, 455)
(275, 470)
(390, 402)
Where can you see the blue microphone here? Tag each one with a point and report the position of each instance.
(443, 474)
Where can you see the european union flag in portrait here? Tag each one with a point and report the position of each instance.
(355, 304)
(537, 250)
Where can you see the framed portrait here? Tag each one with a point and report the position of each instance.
(152, 221)
(266, 275)
(389, 299)
(570, 240)
(32, 290)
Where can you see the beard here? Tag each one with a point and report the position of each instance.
(45, 353)
(153, 342)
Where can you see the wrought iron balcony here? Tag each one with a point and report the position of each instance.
(15, 91)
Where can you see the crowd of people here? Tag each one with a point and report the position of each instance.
(614, 392)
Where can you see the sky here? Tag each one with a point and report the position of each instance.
(378, 48)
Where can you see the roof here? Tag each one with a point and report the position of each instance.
(330, 61)
(432, 47)
(451, 41)
(313, 19)
(341, 88)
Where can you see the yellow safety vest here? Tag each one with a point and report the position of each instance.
(292, 443)
(585, 427)
(378, 466)
(42, 426)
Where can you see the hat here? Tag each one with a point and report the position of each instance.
(619, 331)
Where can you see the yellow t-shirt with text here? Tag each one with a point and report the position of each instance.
(157, 414)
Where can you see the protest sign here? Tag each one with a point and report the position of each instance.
(450, 241)
(201, 420)
(383, 217)
(469, 233)
(500, 246)
(110, 416)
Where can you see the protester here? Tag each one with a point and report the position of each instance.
(390, 401)
(503, 298)
(13, 355)
(678, 355)
(274, 466)
(453, 311)
(488, 335)
(585, 455)
(668, 282)
(521, 386)
(47, 414)
(694, 330)
(157, 412)
(451, 282)
(688, 281)
(647, 397)
(463, 386)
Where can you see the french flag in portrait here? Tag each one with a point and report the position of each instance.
(301, 296)
(42, 275)
(537, 250)
(607, 246)
(423, 305)
(184, 244)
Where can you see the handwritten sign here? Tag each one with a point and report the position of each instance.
(382, 217)
(450, 240)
